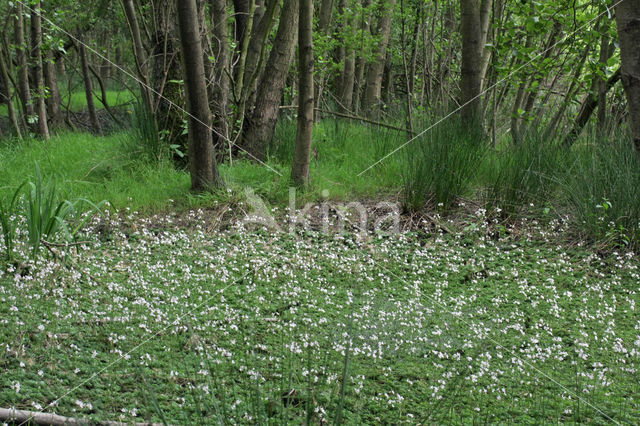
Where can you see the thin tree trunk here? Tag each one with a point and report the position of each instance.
(302, 152)
(165, 72)
(324, 28)
(202, 163)
(4, 74)
(606, 50)
(573, 88)
(241, 17)
(88, 88)
(239, 88)
(55, 99)
(36, 54)
(413, 62)
(262, 121)
(24, 90)
(375, 69)
(586, 110)
(628, 21)
(407, 78)
(138, 54)
(220, 48)
(474, 17)
(348, 80)
(254, 64)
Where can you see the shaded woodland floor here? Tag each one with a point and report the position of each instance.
(489, 304)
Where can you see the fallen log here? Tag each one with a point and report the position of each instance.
(12, 415)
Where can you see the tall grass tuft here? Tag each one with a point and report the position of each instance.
(603, 192)
(440, 167)
(146, 141)
(523, 174)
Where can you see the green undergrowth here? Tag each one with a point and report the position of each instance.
(78, 101)
(593, 184)
(157, 323)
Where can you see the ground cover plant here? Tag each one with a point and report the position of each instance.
(164, 323)
(347, 212)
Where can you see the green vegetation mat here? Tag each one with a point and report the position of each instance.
(155, 321)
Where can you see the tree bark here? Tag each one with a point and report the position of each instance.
(474, 17)
(24, 90)
(165, 75)
(361, 63)
(220, 48)
(241, 9)
(628, 21)
(88, 88)
(36, 54)
(254, 64)
(375, 70)
(262, 121)
(55, 99)
(138, 54)
(202, 163)
(4, 75)
(348, 80)
(302, 152)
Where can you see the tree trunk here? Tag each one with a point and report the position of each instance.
(474, 17)
(347, 80)
(262, 121)
(589, 105)
(55, 99)
(302, 152)
(362, 59)
(375, 70)
(606, 50)
(220, 48)
(36, 54)
(628, 21)
(88, 88)
(254, 64)
(202, 163)
(324, 17)
(239, 89)
(138, 54)
(24, 90)
(165, 73)
(241, 9)
(550, 131)
(4, 75)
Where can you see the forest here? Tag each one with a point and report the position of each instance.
(319, 212)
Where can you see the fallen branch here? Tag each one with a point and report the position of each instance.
(34, 417)
(353, 117)
(64, 245)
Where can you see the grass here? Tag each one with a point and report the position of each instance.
(78, 101)
(158, 322)
(113, 168)
(593, 184)
(342, 152)
(441, 167)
